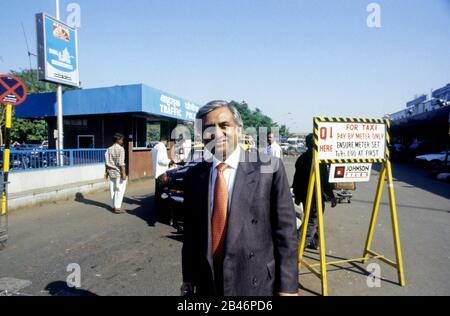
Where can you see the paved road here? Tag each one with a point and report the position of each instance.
(134, 254)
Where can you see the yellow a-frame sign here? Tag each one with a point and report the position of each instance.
(346, 140)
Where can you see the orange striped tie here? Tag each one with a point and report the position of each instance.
(219, 218)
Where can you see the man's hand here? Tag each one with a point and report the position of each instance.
(187, 289)
(333, 202)
(123, 174)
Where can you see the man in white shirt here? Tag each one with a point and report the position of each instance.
(273, 149)
(161, 163)
(160, 159)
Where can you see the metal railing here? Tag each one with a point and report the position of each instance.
(27, 160)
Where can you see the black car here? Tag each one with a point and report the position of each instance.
(172, 196)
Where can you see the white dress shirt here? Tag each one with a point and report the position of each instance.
(230, 174)
(160, 160)
(274, 150)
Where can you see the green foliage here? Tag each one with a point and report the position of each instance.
(29, 78)
(257, 119)
(153, 132)
(29, 131)
(254, 118)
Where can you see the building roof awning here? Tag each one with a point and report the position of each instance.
(137, 98)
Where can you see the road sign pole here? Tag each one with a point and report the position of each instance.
(307, 208)
(6, 158)
(13, 92)
(320, 224)
(373, 219)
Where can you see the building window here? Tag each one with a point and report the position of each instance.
(153, 134)
(75, 123)
(86, 141)
(139, 132)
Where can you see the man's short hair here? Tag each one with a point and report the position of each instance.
(163, 138)
(213, 105)
(118, 136)
(309, 141)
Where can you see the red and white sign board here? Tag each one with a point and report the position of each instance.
(347, 140)
(12, 90)
(351, 172)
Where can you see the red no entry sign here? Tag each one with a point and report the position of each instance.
(12, 90)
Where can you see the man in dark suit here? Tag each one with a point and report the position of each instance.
(300, 186)
(240, 234)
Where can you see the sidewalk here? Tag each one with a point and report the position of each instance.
(128, 254)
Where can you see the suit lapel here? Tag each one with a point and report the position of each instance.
(243, 191)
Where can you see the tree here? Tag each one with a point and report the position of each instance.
(24, 130)
(284, 131)
(257, 119)
(254, 118)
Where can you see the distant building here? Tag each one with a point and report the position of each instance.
(425, 119)
(423, 104)
(93, 116)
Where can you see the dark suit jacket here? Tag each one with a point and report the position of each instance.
(261, 245)
(302, 177)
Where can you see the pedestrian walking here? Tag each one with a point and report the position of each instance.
(115, 172)
(300, 186)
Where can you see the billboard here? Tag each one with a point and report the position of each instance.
(350, 139)
(350, 172)
(57, 51)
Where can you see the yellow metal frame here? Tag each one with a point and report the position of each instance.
(314, 184)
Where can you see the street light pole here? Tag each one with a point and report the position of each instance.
(60, 140)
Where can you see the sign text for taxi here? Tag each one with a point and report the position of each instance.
(349, 140)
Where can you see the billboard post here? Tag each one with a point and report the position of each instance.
(59, 111)
(351, 145)
(57, 61)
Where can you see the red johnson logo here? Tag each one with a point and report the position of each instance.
(339, 172)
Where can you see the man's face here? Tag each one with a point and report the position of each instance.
(120, 141)
(220, 133)
(270, 139)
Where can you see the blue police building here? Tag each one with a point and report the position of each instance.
(93, 116)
